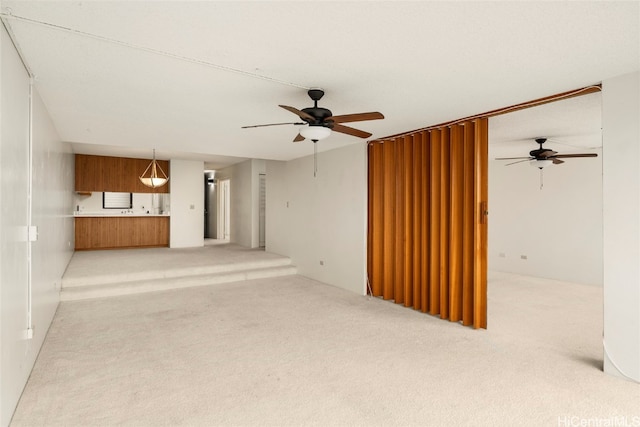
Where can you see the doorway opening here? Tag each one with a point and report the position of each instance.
(210, 205)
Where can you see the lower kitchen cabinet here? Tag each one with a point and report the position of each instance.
(117, 232)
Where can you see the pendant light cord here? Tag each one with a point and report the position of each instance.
(315, 158)
(541, 179)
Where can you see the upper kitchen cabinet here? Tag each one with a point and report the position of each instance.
(118, 174)
(90, 173)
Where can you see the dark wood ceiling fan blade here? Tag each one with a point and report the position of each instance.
(568, 156)
(298, 138)
(350, 131)
(513, 158)
(359, 117)
(557, 161)
(520, 161)
(301, 114)
(272, 124)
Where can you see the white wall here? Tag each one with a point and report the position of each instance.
(323, 218)
(244, 210)
(239, 176)
(14, 160)
(53, 182)
(558, 228)
(187, 204)
(278, 208)
(51, 209)
(621, 186)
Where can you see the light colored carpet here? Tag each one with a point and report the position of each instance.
(292, 351)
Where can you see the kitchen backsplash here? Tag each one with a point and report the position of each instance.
(153, 203)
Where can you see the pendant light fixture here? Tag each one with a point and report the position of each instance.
(154, 180)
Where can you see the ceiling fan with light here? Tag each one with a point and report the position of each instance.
(318, 122)
(542, 157)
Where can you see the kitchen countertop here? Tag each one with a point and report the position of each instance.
(117, 214)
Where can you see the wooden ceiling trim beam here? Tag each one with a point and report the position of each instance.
(510, 109)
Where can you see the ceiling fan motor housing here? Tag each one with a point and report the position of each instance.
(539, 153)
(319, 114)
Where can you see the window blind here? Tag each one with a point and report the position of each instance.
(116, 200)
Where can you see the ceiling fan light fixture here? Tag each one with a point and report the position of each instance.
(542, 163)
(315, 132)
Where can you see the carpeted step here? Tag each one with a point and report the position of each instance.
(77, 292)
(119, 278)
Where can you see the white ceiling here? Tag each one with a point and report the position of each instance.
(121, 78)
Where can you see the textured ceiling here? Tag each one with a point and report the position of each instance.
(120, 78)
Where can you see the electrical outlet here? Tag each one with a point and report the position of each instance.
(523, 257)
(502, 255)
(321, 262)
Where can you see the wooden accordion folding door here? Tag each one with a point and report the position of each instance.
(427, 224)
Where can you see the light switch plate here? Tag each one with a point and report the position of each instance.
(32, 233)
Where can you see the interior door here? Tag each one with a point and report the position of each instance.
(427, 230)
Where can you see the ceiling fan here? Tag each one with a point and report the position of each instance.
(319, 122)
(544, 156)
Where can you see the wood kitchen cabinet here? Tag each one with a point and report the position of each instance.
(115, 232)
(118, 174)
(90, 173)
